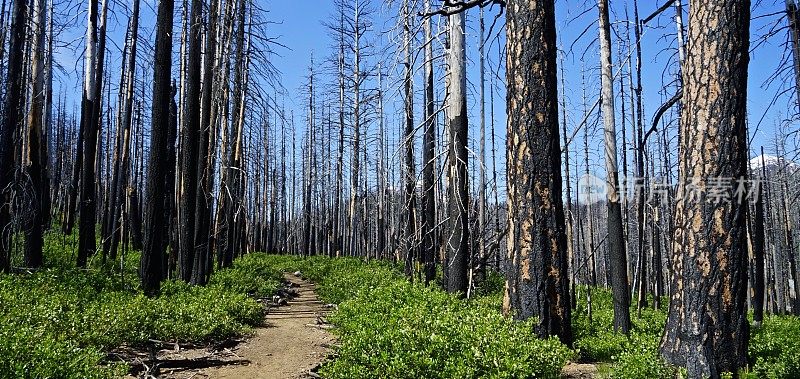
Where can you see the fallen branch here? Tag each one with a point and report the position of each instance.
(184, 364)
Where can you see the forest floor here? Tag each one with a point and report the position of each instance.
(291, 344)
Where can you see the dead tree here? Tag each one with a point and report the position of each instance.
(15, 82)
(429, 160)
(537, 283)
(707, 326)
(151, 269)
(618, 258)
(457, 170)
(190, 130)
(35, 154)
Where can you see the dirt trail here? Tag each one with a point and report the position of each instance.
(289, 345)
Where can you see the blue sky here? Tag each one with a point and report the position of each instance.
(299, 27)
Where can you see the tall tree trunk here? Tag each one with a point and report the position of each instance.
(429, 160)
(757, 233)
(91, 99)
(707, 327)
(458, 195)
(483, 258)
(190, 130)
(122, 171)
(11, 123)
(204, 192)
(36, 161)
(353, 214)
(616, 244)
(409, 170)
(155, 219)
(537, 282)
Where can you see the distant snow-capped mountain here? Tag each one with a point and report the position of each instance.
(770, 161)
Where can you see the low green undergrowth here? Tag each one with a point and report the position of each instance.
(60, 321)
(633, 357)
(774, 347)
(390, 328)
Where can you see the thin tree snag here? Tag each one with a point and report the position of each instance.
(410, 198)
(537, 282)
(757, 239)
(707, 326)
(617, 256)
(13, 116)
(150, 268)
(190, 130)
(429, 160)
(457, 124)
(36, 158)
(204, 192)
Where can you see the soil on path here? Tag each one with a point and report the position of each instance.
(292, 342)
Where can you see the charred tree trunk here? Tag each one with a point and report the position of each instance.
(151, 269)
(410, 198)
(617, 257)
(91, 99)
(36, 158)
(757, 234)
(458, 195)
(429, 161)
(537, 282)
(204, 193)
(11, 123)
(190, 130)
(707, 327)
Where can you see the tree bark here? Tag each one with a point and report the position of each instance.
(155, 219)
(429, 160)
(36, 158)
(537, 282)
(757, 233)
(457, 124)
(409, 170)
(190, 130)
(707, 327)
(618, 266)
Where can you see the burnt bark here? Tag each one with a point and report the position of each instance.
(458, 195)
(537, 277)
(707, 327)
(11, 123)
(151, 269)
(617, 265)
(428, 219)
(190, 129)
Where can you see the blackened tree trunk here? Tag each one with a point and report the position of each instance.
(707, 327)
(151, 269)
(757, 239)
(189, 144)
(121, 174)
(204, 171)
(410, 196)
(428, 160)
(617, 263)
(13, 117)
(36, 161)
(458, 197)
(537, 282)
(86, 241)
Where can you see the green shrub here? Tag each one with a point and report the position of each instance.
(640, 359)
(775, 348)
(58, 321)
(390, 328)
